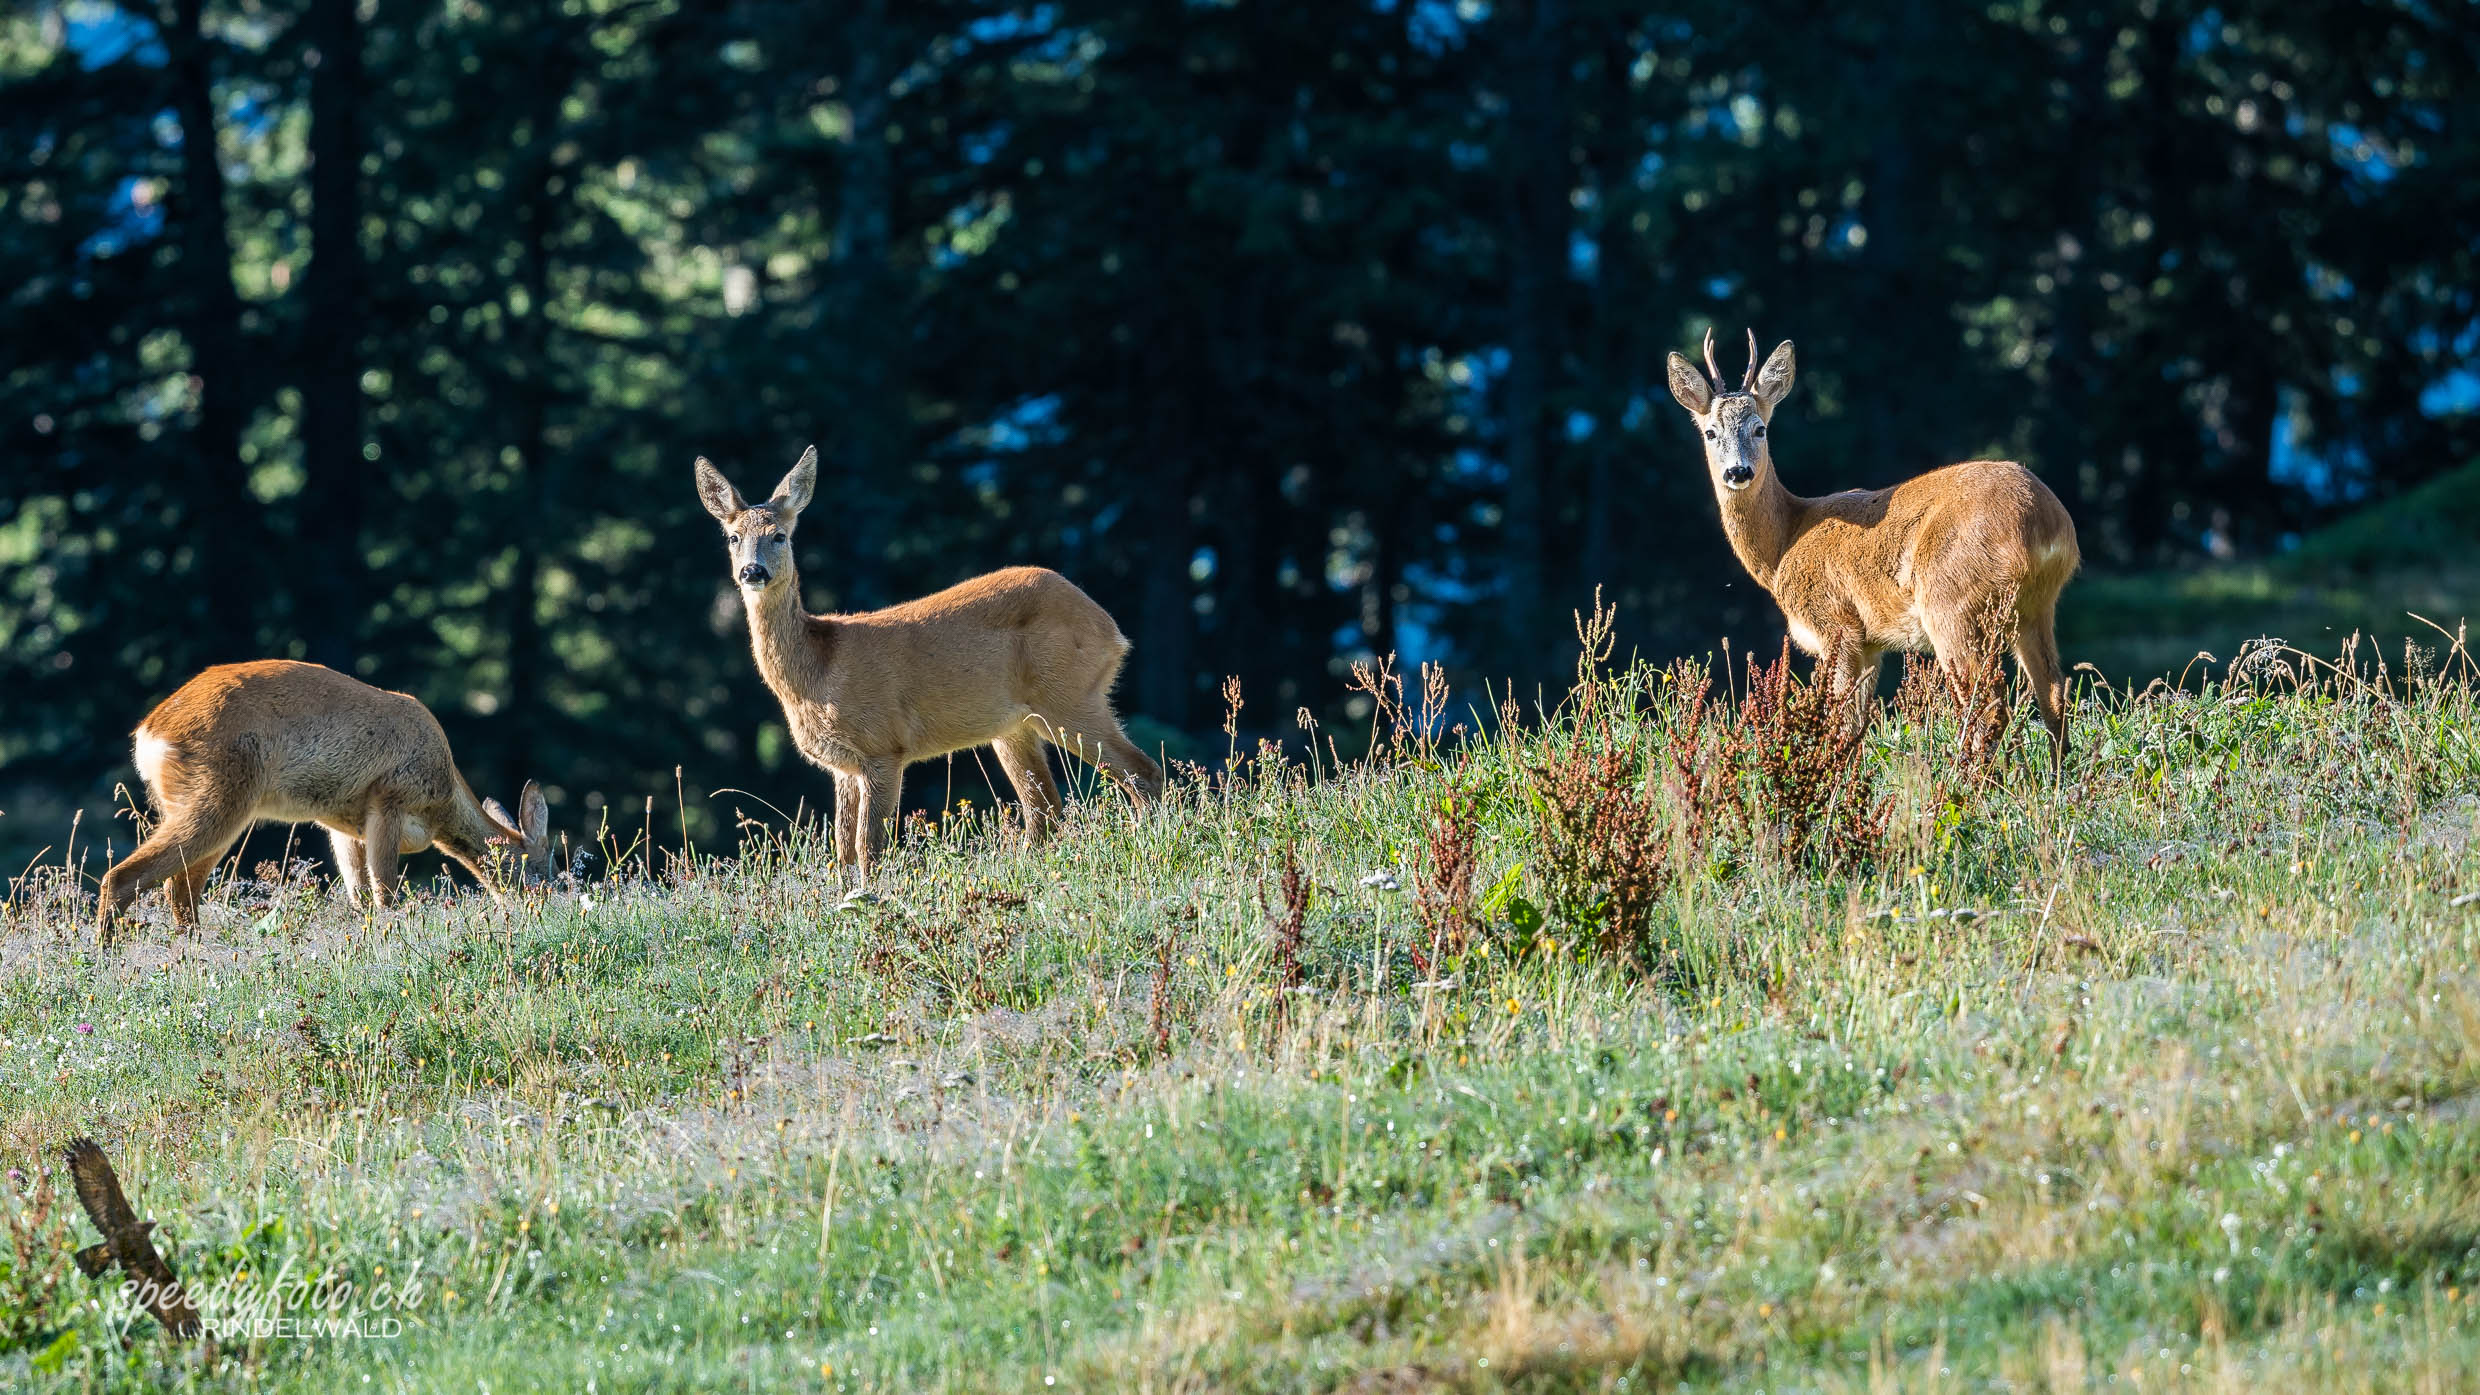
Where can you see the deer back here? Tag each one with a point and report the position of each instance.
(1973, 533)
(955, 668)
(300, 742)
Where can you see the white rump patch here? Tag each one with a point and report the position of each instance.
(149, 756)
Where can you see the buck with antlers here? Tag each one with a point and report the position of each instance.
(1936, 561)
(298, 743)
(1008, 660)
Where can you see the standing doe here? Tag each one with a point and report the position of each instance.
(297, 743)
(1008, 660)
(1938, 560)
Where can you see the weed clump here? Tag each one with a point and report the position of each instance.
(1604, 835)
(1808, 795)
(1289, 931)
(1782, 778)
(960, 963)
(37, 1301)
(1603, 830)
(1442, 890)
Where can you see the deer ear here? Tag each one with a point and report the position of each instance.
(1689, 385)
(533, 814)
(1774, 379)
(793, 494)
(499, 814)
(716, 492)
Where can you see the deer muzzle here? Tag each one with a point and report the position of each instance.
(755, 575)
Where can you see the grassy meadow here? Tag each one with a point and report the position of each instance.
(1650, 1043)
(2367, 574)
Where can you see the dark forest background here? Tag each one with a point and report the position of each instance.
(383, 333)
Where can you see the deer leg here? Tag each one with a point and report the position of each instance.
(1957, 653)
(185, 887)
(352, 873)
(1970, 641)
(182, 840)
(1863, 691)
(847, 823)
(1029, 770)
(881, 787)
(1127, 762)
(2036, 654)
(383, 833)
(1849, 670)
(1093, 735)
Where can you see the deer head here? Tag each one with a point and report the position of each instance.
(759, 536)
(1733, 422)
(525, 839)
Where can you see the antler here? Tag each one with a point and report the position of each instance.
(1712, 370)
(1748, 380)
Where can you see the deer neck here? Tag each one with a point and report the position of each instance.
(1760, 522)
(467, 830)
(791, 645)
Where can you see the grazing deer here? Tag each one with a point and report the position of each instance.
(1008, 660)
(297, 743)
(1936, 560)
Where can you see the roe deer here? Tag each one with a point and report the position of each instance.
(297, 743)
(1936, 560)
(1008, 660)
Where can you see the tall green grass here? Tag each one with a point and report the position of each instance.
(2162, 1073)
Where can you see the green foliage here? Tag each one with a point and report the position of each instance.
(36, 1273)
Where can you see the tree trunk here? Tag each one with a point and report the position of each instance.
(532, 379)
(1246, 607)
(1167, 616)
(1538, 221)
(870, 432)
(2244, 511)
(328, 532)
(2067, 408)
(1620, 333)
(1387, 528)
(1892, 450)
(226, 527)
(2141, 512)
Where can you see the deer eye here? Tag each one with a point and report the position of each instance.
(1709, 433)
(1760, 433)
(734, 537)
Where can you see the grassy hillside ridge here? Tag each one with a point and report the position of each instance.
(2369, 573)
(2169, 1072)
(2438, 521)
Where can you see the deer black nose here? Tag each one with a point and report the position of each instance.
(1738, 474)
(754, 575)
